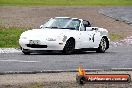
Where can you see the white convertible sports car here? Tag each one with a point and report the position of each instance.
(65, 34)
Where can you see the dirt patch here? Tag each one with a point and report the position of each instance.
(68, 85)
(33, 17)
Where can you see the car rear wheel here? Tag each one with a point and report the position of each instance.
(69, 46)
(102, 46)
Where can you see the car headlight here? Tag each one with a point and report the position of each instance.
(51, 39)
(23, 37)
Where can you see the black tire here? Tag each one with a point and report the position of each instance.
(69, 46)
(102, 46)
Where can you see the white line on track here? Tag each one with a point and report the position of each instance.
(22, 61)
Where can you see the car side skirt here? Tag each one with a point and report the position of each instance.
(87, 49)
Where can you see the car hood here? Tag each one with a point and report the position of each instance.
(44, 33)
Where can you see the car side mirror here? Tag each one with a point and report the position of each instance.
(41, 26)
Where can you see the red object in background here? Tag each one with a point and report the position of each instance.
(83, 78)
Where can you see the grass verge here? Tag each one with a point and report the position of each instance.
(115, 36)
(67, 2)
(9, 37)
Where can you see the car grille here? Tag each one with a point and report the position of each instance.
(36, 46)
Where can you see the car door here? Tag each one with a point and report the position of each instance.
(86, 37)
(94, 37)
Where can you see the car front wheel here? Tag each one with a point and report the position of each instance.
(69, 46)
(102, 46)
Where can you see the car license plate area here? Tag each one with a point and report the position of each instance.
(34, 42)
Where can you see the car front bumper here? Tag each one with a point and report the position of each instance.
(44, 45)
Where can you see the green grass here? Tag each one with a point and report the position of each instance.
(115, 36)
(67, 2)
(9, 37)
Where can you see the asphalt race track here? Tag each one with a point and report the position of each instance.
(115, 57)
(119, 13)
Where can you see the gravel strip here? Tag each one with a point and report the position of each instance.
(125, 42)
(10, 50)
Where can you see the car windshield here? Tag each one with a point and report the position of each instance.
(63, 23)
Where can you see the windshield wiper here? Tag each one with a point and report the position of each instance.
(52, 27)
(61, 28)
(69, 28)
